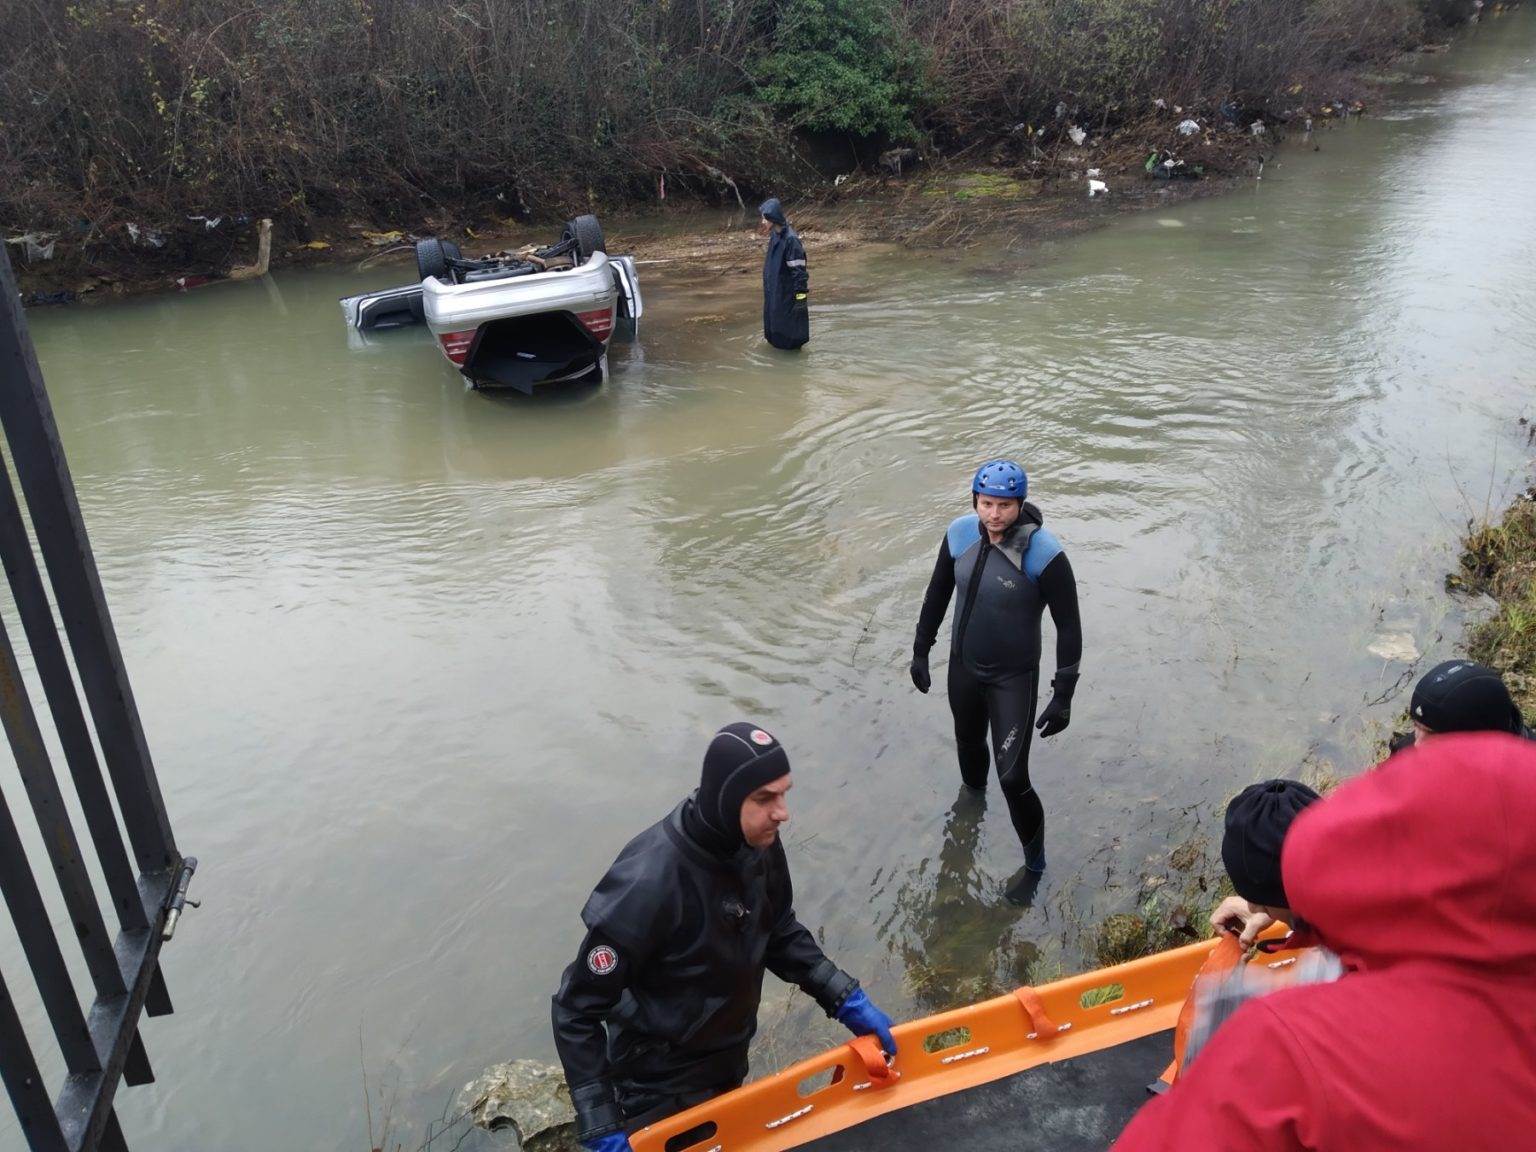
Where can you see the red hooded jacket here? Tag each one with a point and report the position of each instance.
(1421, 875)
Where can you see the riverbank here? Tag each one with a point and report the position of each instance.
(944, 205)
(1024, 181)
(1498, 560)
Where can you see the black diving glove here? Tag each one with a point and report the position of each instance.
(921, 680)
(1058, 713)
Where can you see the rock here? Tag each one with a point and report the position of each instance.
(528, 1098)
(1187, 855)
(1394, 646)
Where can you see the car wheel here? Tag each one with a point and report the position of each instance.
(588, 235)
(431, 260)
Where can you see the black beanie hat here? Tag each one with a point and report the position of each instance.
(739, 760)
(1257, 821)
(1460, 696)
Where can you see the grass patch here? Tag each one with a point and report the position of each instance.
(1498, 560)
(981, 185)
(1104, 994)
(950, 1038)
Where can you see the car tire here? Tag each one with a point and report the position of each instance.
(431, 259)
(588, 235)
(451, 250)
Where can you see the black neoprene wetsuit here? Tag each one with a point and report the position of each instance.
(994, 660)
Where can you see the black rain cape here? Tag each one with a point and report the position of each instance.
(786, 319)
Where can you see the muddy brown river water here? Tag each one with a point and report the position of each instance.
(416, 662)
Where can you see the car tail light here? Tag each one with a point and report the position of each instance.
(456, 345)
(599, 322)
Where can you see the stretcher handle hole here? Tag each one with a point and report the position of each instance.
(1103, 994)
(695, 1135)
(820, 1081)
(949, 1038)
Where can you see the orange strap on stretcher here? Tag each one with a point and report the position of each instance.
(1039, 1022)
(867, 1049)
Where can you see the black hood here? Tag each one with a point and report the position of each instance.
(739, 760)
(772, 210)
(1460, 696)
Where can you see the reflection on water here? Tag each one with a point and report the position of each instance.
(954, 927)
(417, 662)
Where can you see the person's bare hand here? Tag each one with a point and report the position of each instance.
(1234, 914)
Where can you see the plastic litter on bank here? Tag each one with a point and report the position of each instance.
(35, 246)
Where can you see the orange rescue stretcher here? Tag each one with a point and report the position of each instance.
(1034, 1069)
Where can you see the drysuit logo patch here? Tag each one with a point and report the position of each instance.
(602, 960)
(1012, 732)
(1005, 582)
(761, 737)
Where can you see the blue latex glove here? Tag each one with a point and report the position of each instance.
(613, 1142)
(860, 1016)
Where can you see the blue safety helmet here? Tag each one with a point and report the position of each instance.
(1001, 478)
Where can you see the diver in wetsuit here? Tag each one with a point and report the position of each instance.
(1006, 568)
(656, 1012)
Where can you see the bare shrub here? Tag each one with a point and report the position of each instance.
(407, 111)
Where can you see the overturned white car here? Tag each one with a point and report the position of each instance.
(515, 319)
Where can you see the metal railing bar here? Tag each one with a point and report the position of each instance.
(112, 1137)
(85, 1104)
(136, 1068)
(41, 947)
(64, 703)
(24, 1083)
(158, 1002)
(43, 472)
(58, 835)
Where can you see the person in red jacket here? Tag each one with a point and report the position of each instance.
(1421, 876)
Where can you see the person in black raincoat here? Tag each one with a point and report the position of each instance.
(786, 282)
(657, 1011)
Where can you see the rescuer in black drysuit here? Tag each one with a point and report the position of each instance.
(1006, 568)
(656, 1012)
(786, 282)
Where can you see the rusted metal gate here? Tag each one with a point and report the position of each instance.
(145, 877)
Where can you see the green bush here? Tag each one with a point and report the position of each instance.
(844, 66)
